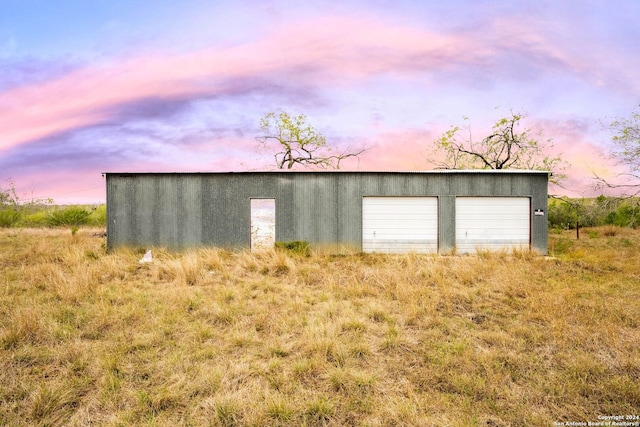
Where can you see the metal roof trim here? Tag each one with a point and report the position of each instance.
(341, 171)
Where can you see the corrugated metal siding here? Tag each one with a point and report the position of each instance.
(190, 212)
(324, 208)
(446, 226)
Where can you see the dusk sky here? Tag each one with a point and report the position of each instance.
(164, 85)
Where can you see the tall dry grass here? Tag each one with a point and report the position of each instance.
(210, 337)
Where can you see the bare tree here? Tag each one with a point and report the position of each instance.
(506, 147)
(297, 142)
(626, 152)
(8, 196)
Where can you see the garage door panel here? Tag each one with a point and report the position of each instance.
(492, 223)
(400, 224)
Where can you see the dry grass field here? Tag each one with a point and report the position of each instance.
(210, 337)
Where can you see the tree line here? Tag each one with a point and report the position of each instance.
(17, 212)
(569, 214)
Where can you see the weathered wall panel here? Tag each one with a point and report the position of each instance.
(447, 225)
(325, 208)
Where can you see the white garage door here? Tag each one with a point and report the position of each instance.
(400, 224)
(492, 223)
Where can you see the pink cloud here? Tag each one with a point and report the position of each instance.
(326, 50)
(550, 46)
(396, 150)
(87, 187)
(335, 50)
(577, 143)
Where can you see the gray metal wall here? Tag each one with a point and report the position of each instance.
(181, 210)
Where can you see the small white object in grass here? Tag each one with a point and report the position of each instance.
(146, 258)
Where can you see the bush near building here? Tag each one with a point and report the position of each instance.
(567, 213)
(30, 216)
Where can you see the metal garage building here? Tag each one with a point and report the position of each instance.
(427, 212)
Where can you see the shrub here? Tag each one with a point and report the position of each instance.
(98, 216)
(9, 217)
(560, 246)
(626, 215)
(300, 247)
(556, 229)
(610, 230)
(562, 215)
(68, 216)
(37, 219)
